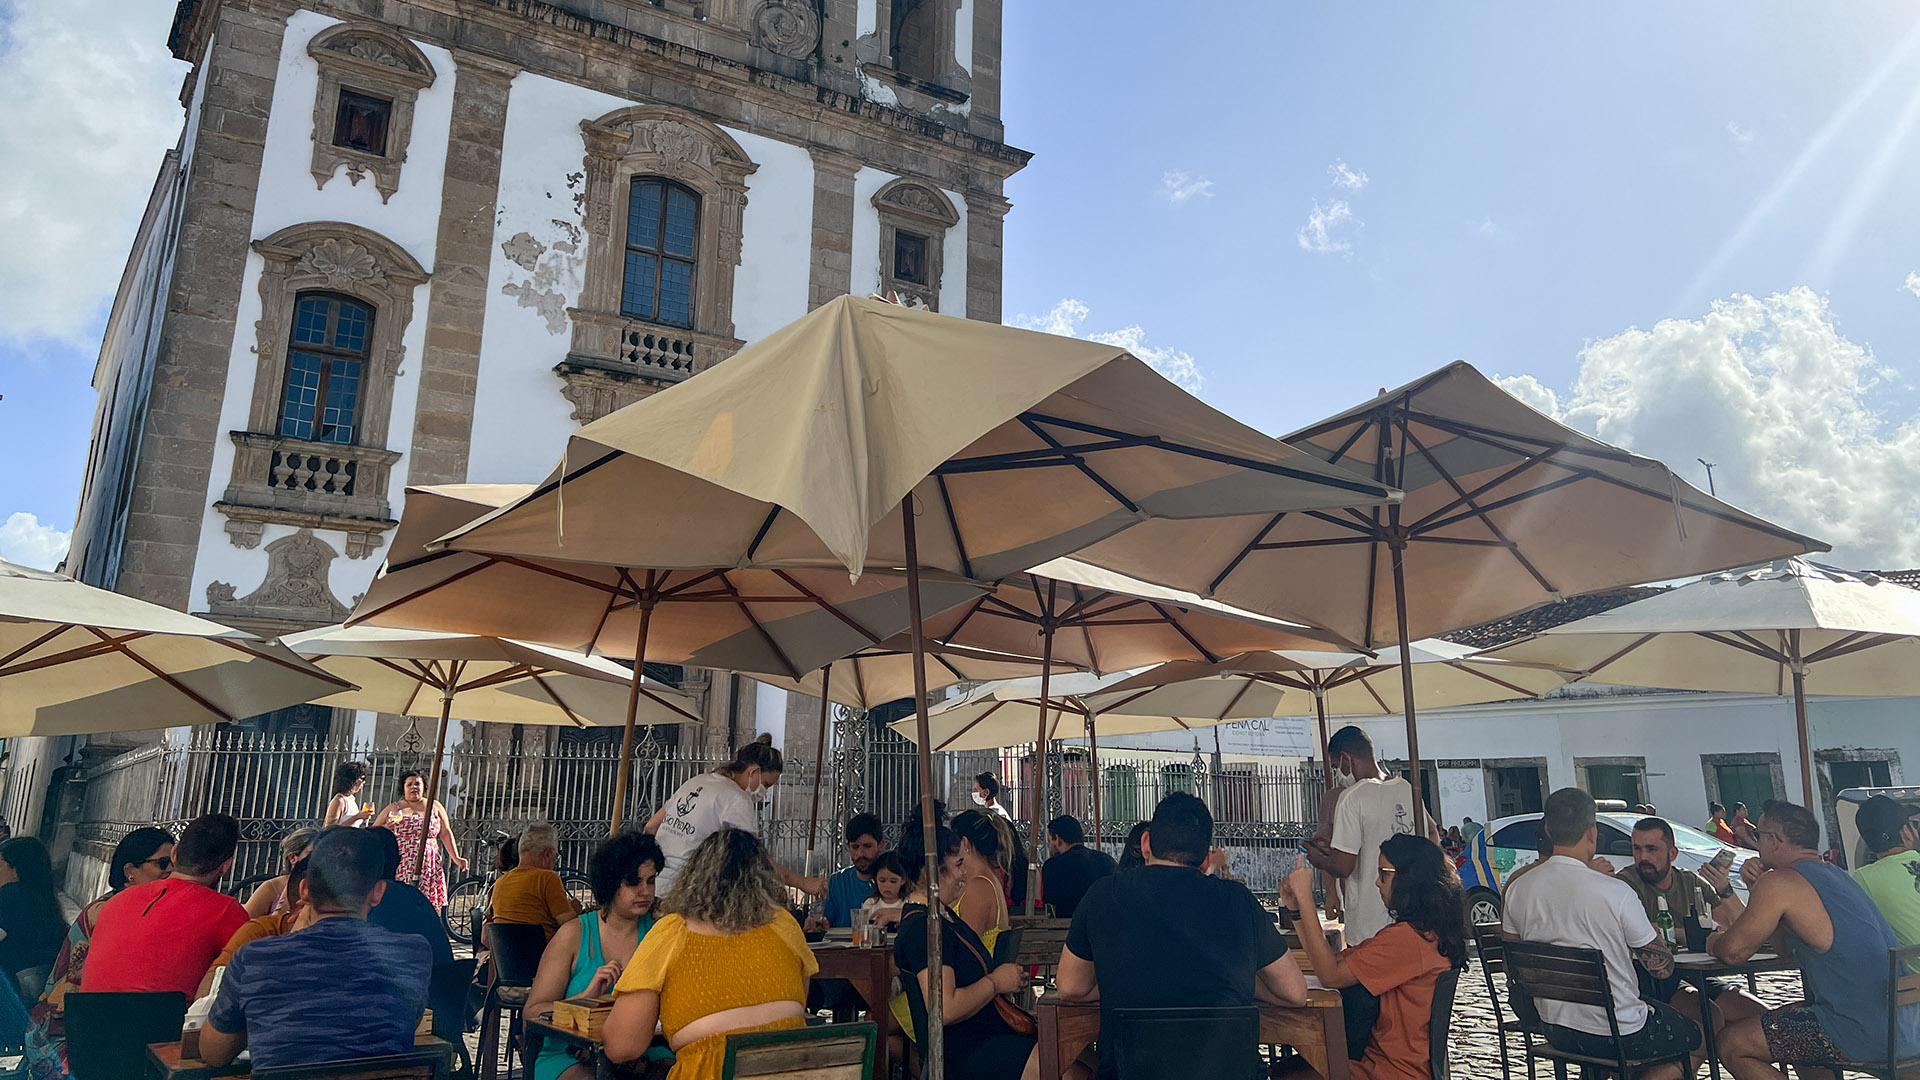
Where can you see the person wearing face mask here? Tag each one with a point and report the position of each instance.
(722, 799)
(986, 795)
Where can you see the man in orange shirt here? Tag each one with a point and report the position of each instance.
(532, 893)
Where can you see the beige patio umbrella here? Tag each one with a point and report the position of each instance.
(788, 621)
(481, 679)
(1006, 447)
(1506, 509)
(1793, 627)
(76, 660)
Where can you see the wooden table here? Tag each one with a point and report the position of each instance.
(1317, 1030)
(164, 1062)
(541, 1024)
(1698, 972)
(871, 972)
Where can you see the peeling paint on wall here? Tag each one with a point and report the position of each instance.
(550, 305)
(523, 250)
(553, 262)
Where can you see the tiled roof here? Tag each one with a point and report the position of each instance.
(1909, 578)
(1500, 631)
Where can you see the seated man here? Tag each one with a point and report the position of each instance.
(164, 935)
(1653, 877)
(1166, 934)
(340, 988)
(1571, 898)
(1840, 939)
(532, 893)
(848, 888)
(1892, 879)
(403, 908)
(1072, 867)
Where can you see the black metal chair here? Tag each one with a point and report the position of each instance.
(426, 1063)
(819, 1052)
(515, 950)
(1491, 947)
(1440, 1022)
(447, 998)
(1903, 989)
(108, 1033)
(1578, 977)
(1179, 1044)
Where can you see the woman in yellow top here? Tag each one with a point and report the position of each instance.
(727, 958)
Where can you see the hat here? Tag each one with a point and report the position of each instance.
(1879, 820)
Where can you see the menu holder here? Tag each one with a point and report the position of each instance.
(584, 1015)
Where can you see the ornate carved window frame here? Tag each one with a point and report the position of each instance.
(923, 209)
(614, 359)
(950, 83)
(373, 60)
(288, 481)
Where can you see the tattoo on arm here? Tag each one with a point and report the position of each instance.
(1658, 961)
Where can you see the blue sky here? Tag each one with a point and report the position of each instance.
(1571, 193)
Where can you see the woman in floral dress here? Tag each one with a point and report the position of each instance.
(406, 818)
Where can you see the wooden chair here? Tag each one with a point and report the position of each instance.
(1440, 1022)
(1903, 989)
(1179, 1043)
(425, 1063)
(1493, 960)
(108, 1033)
(1579, 977)
(825, 1052)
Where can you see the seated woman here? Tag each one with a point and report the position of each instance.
(587, 955)
(983, 906)
(980, 1045)
(1400, 964)
(32, 928)
(272, 896)
(727, 958)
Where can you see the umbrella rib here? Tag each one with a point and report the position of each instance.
(1245, 686)
(552, 571)
(953, 523)
(1363, 526)
(754, 547)
(658, 700)
(1076, 461)
(58, 629)
(970, 725)
(1359, 430)
(1377, 414)
(505, 675)
(978, 603)
(485, 561)
(1512, 548)
(73, 655)
(1574, 477)
(1477, 673)
(555, 698)
(830, 609)
(119, 645)
(261, 654)
(1359, 487)
(1745, 644)
(1853, 643)
(1251, 546)
(1467, 497)
(1205, 653)
(1055, 455)
(1329, 541)
(1367, 685)
(793, 670)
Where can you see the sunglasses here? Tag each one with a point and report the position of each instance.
(164, 862)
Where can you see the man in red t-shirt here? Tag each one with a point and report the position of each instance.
(163, 935)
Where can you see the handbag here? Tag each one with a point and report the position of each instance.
(1015, 1017)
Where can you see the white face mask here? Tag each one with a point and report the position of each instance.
(979, 799)
(1344, 779)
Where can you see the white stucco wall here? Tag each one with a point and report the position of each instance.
(287, 195)
(866, 243)
(963, 35)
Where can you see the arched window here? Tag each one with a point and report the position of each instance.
(916, 39)
(663, 229)
(326, 363)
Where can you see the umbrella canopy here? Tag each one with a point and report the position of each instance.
(1006, 714)
(884, 672)
(76, 660)
(1505, 509)
(1794, 627)
(1020, 447)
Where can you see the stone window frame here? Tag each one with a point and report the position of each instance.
(921, 208)
(1582, 764)
(352, 261)
(950, 84)
(1823, 778)
(369, 59)
(614, 359)
(1487, 765)
(1709, 769)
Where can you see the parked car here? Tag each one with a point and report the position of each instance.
(1512, 842)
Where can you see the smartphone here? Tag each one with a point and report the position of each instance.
(1724, 860)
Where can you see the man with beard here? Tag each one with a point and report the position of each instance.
(849, 887)
(1653, 876)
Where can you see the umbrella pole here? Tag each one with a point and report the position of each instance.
(1093, 765)
(427, 829)
(1799, 669)
(625, 772)
(819, 758)
(1320, 710)
(1406, 679)
(1039, 754)
(936, 1036)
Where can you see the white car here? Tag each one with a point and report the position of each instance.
(1512, 842)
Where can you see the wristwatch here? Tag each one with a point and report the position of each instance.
(1724, 894)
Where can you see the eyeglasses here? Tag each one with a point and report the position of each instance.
(1386, 872)
(1778, 838)
(165, 863)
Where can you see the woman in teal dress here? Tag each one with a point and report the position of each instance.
(587, 955)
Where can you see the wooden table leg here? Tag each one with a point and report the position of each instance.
(880, 1011)
(1048, 1021)
(1333, 1063)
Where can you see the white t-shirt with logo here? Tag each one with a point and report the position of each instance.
(1369, 812)
(1562, 901)
(701, 807)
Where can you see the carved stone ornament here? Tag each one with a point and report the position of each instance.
(341, 264)
(372, 60)
(245, 534)
(788, 27)
(294, 589)
(913, 206)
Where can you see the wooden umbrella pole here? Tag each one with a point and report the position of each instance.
(428, 821)
(624, 774)
(1039, 786)
(1093, 763)
(819, 759)
(1320, 710)
(936, 1035)
(1799, 669)
(1399, 548)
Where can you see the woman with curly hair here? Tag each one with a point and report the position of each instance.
(587, 955)
(727, 958)
(343, 808)
(1401, 963)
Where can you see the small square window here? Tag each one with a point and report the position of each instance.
(360, 123)
(910, 259)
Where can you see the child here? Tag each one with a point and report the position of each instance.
(889, 888)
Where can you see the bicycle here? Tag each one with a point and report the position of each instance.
(468, 899)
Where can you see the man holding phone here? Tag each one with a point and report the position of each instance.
(1654, 877)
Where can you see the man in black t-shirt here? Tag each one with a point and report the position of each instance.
(1164, 935)
(1072, 868)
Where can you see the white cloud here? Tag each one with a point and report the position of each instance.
(1772, 392)
(1532, 391)
(92, 97)
(1491, 230)
(1179, 187)
(1322, 232)
(25, 541)
(1912, 284)
(1741, 135)
(1067, 316)
(1344, 177)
